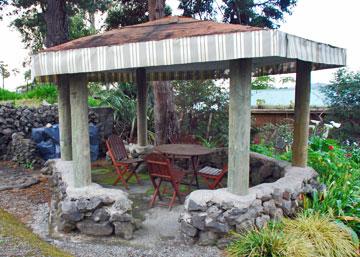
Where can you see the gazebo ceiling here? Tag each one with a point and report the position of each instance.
(182, 48)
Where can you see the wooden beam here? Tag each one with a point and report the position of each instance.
(239, 126)
(302, 114)
(141, 106)
(64, 118)
(80, 130)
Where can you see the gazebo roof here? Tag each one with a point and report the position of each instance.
(170, 27)
(182, 48)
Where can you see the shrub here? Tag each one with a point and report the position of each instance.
(341, 175)
(47, 92)
(328, 238)
(343, 96)
(6, 95)
(269, 241)
(339, 170)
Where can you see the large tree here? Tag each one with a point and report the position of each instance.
(166, 122)
(45, 23)
(262, 13)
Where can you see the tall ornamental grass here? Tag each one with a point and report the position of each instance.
(306, 236)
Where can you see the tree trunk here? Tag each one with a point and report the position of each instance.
(57, 23)
(166, 122)
(156, 9)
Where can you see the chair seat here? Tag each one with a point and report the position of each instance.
(130, 161)
(210, 171)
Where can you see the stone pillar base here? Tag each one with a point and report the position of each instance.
(91, 210)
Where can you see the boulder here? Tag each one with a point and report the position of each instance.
(207, 238)
(124, 229)
(188, 229)
(88, 204)
(70, 212)
(100, 215)
(89, 227)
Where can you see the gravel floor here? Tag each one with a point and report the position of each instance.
(158, 237)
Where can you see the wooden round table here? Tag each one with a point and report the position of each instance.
(191, 151)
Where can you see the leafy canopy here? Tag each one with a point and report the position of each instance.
(29, 18)
(262, 13)
(343, 96)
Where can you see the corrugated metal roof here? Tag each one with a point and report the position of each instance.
(170, 27)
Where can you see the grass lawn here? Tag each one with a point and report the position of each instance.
(106, 175)
(18, 234)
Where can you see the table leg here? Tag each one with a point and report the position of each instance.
(194, 160)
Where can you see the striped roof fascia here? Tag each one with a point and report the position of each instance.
(199, 49)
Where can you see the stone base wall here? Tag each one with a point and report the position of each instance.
(263, 169)
(91, 210)
(23, 119)
(211, 214)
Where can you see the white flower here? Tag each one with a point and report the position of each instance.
(328, 126)
(312, 126)
(316, 122)
(335, 125)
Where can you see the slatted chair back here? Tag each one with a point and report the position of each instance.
(116, 148)
(158, 166)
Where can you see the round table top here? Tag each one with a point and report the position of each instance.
(184, 149)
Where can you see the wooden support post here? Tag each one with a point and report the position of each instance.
(302, 114)
(141, 106)
(239, 126)
(64, 118)
(80, 130)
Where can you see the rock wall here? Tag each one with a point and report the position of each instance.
(211, 214)
(23, 119)
(263, 169)
(91, 210)
(23, 151)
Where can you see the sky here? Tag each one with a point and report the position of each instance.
(329, 21)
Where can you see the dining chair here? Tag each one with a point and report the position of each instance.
(124, 166)
(213, 176)
(161, 170)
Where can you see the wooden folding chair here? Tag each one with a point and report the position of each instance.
(161, 170)
(122, 163)
(213, 176)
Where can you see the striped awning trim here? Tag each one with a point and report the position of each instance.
(153, 76)
(123, 59)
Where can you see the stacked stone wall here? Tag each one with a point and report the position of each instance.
(211, 215)
(92, 210)
(22, 119)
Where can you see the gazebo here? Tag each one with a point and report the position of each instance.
(180, 48)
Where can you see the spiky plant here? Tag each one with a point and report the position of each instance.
(328, 238)
(269, 242)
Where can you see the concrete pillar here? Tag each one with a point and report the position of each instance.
(64, 118)
(80, 130)
(239, 126)
(141, 106)
(302, 114)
